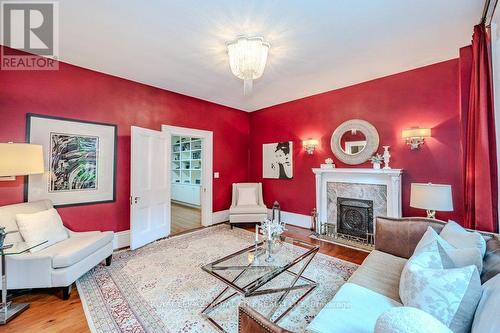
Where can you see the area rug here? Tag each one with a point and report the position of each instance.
(162, 288)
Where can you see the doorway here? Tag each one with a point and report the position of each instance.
(191, 177)
(186, 169)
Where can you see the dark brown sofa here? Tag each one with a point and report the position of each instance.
(397, 238)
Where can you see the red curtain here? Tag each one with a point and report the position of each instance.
(481, 185)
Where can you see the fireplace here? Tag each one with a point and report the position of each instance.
(355, 217)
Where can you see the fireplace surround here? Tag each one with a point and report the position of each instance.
(381, 186)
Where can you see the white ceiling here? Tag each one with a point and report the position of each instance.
(316, 45)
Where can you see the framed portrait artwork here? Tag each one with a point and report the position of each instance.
(79, 158)
(277, 160)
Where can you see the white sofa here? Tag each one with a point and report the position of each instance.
(58, 265)
(245, 213)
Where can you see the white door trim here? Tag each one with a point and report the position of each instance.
(207, 166)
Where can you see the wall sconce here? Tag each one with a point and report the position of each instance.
(415, 136)
(310, 145)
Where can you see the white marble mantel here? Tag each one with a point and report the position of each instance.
(389, 177)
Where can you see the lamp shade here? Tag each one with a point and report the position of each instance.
(431, 197)
(416, 133)
(20, 159)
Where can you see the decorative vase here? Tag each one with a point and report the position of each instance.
(376, 166)
(271, 229)
(387, 157)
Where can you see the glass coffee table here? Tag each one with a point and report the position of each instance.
(9, 310)
(250, 273)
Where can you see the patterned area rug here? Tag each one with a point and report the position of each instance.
(162, 288)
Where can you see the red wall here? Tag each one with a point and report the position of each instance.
(424, 97)
(78, 93)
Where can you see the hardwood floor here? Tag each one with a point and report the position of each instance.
(49, 313)
(184, 218)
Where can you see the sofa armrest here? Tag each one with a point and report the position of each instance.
(250, 321)
(29, 271)
(400, 236)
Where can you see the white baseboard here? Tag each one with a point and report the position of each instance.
(295, 219)
(220, 216)
(121, 239)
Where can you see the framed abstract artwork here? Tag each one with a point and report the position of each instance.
(79, 158)
(277, 160)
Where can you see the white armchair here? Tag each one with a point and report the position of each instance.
(247, 205)
(58, 265)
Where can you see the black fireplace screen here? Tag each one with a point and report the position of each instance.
(354, 217)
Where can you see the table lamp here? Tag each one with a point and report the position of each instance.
(20, 159)
(431, 197)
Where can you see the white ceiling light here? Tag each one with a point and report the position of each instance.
(247, 58)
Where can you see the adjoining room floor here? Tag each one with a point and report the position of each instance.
(184, 218)
(50, 314)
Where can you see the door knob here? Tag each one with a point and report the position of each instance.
(136, 199)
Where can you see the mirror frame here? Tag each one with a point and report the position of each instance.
(372, 141)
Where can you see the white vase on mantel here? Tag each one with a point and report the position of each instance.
(387, 157)
(376, 166)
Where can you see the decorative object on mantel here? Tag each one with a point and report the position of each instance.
(376, 160)
(310, 145)
(350, 190)
(415, 137)
(431, 197)
(328, 164)
(354, 141)
(387, 157)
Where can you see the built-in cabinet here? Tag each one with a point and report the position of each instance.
(186, 169)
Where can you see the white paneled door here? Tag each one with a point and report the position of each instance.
(150, 186)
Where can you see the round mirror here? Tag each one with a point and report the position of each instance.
(354, 141)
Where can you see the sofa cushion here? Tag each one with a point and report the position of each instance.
(248, 209)
(354, 309)
(486, 318)
(247, 196)
(491, 260)
(435, 252)
(74, 249)
(460, 238)
(409, 320)
(8, 216)
(41, 226)
(451, 295)
(380, 272)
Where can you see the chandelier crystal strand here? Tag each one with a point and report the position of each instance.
(247, 59)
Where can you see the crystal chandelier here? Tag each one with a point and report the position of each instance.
(247, 58)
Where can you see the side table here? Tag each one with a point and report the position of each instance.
(9, 310)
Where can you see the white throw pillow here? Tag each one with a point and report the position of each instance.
(247, 196)
(440, 254)
(487, 318)
(460, 238)
(450, 295)
(42, 226)
(408, 320)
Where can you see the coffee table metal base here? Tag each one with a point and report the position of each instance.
(308, 287)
